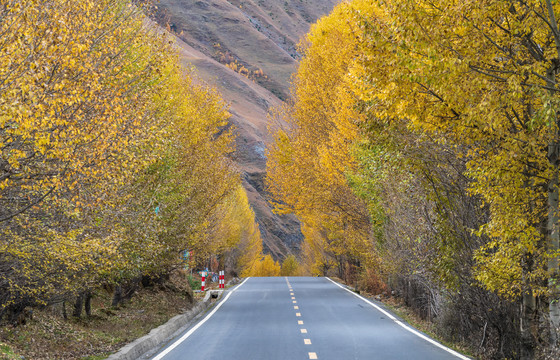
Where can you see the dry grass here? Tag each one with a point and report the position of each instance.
(398, 307)
(49, 336)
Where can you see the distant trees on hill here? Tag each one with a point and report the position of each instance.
(230, 61)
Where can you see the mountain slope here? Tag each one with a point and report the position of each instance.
(258, 40)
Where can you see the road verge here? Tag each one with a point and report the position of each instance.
(143, 347)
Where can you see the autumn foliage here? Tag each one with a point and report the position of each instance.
(421, 151)
(113, 161)
(265, 266)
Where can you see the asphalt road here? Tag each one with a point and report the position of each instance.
(300, 318)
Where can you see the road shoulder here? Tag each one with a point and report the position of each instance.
(146, 346)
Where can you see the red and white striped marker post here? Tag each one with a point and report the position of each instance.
(203, 282)
(222, 279)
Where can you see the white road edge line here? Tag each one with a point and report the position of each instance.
(194, 328)
(401, 324)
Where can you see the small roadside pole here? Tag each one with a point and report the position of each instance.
(222, 279)
(203, 282)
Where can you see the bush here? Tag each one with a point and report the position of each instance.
(290, 266)
(194, 282)
(371, 282)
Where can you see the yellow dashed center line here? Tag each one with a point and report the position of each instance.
(288, 283)
(312, 355)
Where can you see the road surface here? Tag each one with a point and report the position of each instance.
(300, 318)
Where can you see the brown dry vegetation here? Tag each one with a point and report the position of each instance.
(47, 336)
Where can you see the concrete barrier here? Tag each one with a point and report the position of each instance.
(147, 345)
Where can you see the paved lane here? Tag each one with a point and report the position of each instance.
(300, 318)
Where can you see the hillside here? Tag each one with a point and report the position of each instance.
(258, 39)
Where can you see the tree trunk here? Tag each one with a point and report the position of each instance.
(528, 314)
(78, 305)
(87, 303)
(554, 239)
(64, 313)
(527, 322)
(340, 265)
(117, 296)
(552, 227)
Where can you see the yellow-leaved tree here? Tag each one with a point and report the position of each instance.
(290, 266)
(483, 76)
(312, 153)
(114, 161)
(76, 105)
(265, 266)
(442, 117)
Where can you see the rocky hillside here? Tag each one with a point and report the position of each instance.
(247, 49)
